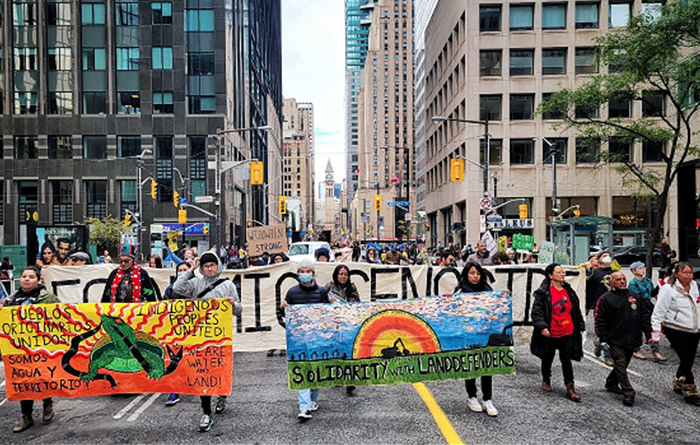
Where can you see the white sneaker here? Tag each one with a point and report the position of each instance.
(474, 405)
(314, 406)
(490, 409)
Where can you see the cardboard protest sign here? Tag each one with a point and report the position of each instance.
(270, 239)
(261, 289)
(90, 349)
(422, 339)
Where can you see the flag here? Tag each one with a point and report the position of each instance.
(395, 180)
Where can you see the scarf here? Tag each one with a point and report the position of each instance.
(22, 298)
(135, 276)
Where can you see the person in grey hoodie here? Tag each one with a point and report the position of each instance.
(209, 286)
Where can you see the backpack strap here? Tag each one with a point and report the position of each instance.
(211, 287)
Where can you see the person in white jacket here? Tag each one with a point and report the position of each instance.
(209, 285)
(677, 312)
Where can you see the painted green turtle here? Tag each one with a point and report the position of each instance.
(125, 350)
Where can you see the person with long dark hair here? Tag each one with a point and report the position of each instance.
(474, 279)
(47, 254)
(678, 310)
(558, 325)
(341, 286)
(31, 291)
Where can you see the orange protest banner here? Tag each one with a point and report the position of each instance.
(91, 349)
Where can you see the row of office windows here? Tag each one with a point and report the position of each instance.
(521, 16)
(521, 61)
(96, 102)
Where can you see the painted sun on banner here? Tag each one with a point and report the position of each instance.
(408, 341)
(77, 350)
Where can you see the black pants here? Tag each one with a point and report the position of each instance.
(686, 345)
(486, 387)
(28, 406)
(206, 404)
(621, 356)
(565, 346)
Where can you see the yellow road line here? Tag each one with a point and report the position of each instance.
(438, 414)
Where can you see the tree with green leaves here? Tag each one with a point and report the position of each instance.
(654, 60)
(106, 233)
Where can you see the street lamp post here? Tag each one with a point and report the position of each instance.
(220, 170)
(139, 183)
(487, 144)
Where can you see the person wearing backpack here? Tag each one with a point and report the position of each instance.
(209, 286)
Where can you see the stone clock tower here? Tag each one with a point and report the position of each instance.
(330, 198)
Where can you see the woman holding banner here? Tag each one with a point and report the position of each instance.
(474, 279)
(558, 325)
(31, 291)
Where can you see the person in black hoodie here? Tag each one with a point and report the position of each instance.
(596, 285)
(620, 319)
(557, 325)
(475, 279)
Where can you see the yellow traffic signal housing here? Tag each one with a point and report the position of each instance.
(256, 172)
(282, 205)
(377, 202)
(522, 208)
(176, 199)
(457, 170)
(127, 220)
(182, 216)
(154, 189)
(577, 213)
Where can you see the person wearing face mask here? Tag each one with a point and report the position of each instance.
(642, 286)
(306, 292)
(596, 286)
(169, 294)
(621, 317)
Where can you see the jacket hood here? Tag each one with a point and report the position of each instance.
(219, 269)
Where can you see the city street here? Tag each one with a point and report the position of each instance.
(262, 410)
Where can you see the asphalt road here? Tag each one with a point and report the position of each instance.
(262, 410)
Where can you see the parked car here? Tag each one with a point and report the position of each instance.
(628, 255)
(307, 249)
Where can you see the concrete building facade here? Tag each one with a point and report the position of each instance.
(298, 172)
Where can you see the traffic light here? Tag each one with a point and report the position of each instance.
(282, 204)
(249, 224)
(377, 202)
(127, 220)
(154, 189)
(457, 170)
(176, 199)
(182, 216)
(577, 212)
(256, 172)
(522, 208)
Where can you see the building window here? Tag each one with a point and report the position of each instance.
(161, 13)
(587, 150)
(128, 196)
(92, 13)
(490, 62)
(26, 147)
(653, 151)
(96, 199)
(522, 62)
(554, 16)
(522, 151)
(201, 104)
(559, 145)
(94, 103)
(127, 14)
(490, 18)
(128, 146)
(587, 15)
(587, 111)
(95, 147)
(620, 108)
(653, 103)
(586, 61)
(59, 59)
(199, 20)
(162, 58)
(200, 64)
(162, 102)
(490, 107)
(127, 59)
(62, 202)
(559, 113)
(25, 103)
(28, 192)
(94, 59)
(521, 106)
(652, 10)
(198, 165)
(521, 17)
(60, 147)
(495, 151)
(619, 14)
(164, 167)
(620, 150)
(129, 102)
(554, 61)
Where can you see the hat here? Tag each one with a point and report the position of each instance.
(208, 257)
(636, 265)
(80, 256)
(127, 250)
(306, 264)
(602, 252)
(323, 252)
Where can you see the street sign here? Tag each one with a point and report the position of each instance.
(408, 217)
(510, 223)
(485, 203)
(482, 223)
(203, 199)
(190, 229)
(399, 203)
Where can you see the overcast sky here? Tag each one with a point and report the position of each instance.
(313, 61)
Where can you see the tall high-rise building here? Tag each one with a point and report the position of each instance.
(298, 168)
(385, 119)
(99, 94)
(358, 15)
